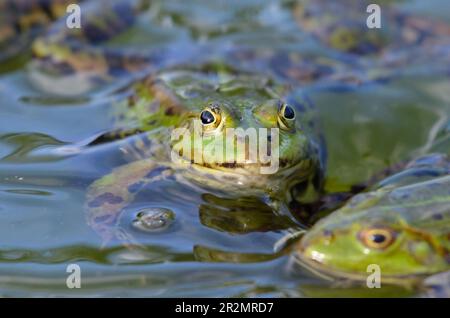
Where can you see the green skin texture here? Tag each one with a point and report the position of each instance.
(414, 207)
(173, 100)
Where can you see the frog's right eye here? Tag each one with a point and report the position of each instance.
(286, 117)
(207, 117)
(211, 117)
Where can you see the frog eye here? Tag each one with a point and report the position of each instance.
(286, 116)
(207, 117)
(210, 117)
(288, 112)
(378, 238)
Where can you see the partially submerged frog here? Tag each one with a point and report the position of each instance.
(180, 99)
(205, 98)
(403, 226)
(172, 95)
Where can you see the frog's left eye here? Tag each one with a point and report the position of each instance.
(378, 238)
(211, 117)
(286, 116)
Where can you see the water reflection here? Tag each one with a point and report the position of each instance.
(241, 215)
(93, 254)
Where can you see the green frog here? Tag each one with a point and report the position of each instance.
(204, 106)
(402, 225)
(174, 115)
(200, 93)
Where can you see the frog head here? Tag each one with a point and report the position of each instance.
(366, 233)
(246, 136)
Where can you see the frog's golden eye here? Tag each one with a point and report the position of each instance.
(286, 116)
(378, 238)
(211, 117)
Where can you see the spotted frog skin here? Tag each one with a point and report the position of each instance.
(22, 20)
(403, 226)
(59, 52)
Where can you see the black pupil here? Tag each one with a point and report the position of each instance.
(378, 238)
(289, 112)
(206, 117)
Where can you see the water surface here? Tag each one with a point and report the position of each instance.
(44, 176)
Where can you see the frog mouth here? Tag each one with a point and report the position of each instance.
(235, 165)
(285, 168)
(312, 266)
(320, 269)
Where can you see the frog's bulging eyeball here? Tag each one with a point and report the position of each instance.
(286, 117)
(377, 237)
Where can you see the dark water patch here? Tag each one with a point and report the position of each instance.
(240, 216)
(29, 192)
(160, 280)
(81, 253)
(207, 254)
(54, 100)
(25, 144)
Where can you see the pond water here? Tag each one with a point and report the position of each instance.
(206, 252)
